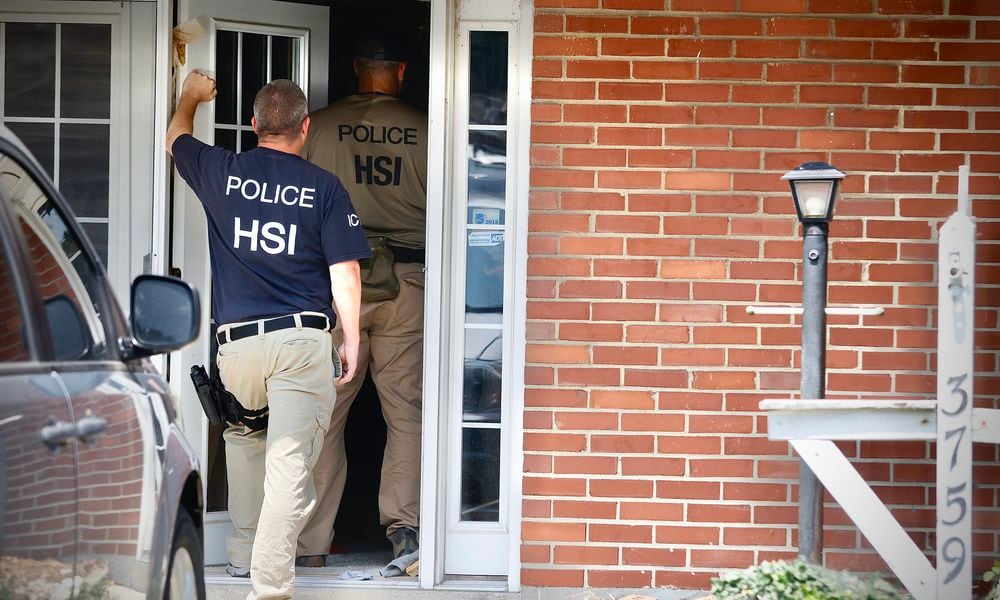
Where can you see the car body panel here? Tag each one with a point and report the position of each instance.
(38, 496)
(128, 480)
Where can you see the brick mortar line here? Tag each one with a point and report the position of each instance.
(729, 15)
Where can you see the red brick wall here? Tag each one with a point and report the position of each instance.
(660, 131)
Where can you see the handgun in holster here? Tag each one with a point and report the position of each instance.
(221, 405)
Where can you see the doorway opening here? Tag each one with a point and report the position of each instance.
(360, 542)
(352, 22)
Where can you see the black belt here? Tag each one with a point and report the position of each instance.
(407, 255)
(288, 322)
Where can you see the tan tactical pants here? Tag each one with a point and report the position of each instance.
(392, 347)
(271, 492)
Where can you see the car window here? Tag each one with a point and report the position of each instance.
(67, 279)
(12, 335)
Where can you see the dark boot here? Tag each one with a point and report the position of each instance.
(315, 561)
(404, 541)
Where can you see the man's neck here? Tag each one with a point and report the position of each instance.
(376, 87)
(280, 145)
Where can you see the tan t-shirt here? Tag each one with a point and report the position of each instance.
(377, 146)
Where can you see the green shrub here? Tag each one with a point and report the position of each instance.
(94, 590)
(799, 580)
(992, 577)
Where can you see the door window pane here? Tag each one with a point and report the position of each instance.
(226, 138)
(487, 174)
(254, 65)
(84, 168)
(30, 70)
(226, 84)
(40, 140)
(480, 475)
(488, 78)
(85, 77)
(482, 376)
(282, 57)
(484, 272)
(248, 140)
(67, 280)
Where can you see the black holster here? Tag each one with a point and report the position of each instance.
(221, 405)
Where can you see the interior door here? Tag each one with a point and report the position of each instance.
(284, 40)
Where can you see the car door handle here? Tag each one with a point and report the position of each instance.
(57, 433)
(90, 427)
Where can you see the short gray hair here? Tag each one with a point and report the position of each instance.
(280, 107)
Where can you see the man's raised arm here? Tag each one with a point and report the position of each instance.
(198, 88)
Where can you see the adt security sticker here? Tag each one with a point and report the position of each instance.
(485, 216)
(485, 238)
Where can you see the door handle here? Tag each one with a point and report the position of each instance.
(57, 433)
(89, 427)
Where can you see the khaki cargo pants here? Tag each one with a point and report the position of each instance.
(392, 333)
(271, 492)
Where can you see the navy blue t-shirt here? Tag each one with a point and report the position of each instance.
(275, 224)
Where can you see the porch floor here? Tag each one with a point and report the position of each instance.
(325, 583)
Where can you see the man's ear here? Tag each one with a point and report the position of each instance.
(305, 126)
(401, 71)
(354, 63)
(253, 123)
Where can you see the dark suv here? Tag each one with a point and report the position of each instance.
(99, 491)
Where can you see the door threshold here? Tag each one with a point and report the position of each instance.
(367, 563)
(216, 578)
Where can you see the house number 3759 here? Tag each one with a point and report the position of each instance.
(953, 550)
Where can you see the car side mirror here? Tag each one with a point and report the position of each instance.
(70, 337)
(165, 316)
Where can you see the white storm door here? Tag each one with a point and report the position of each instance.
(284, 41)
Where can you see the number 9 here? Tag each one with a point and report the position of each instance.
(957, 560)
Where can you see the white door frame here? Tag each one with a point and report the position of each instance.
(448, 19)
(440, 175)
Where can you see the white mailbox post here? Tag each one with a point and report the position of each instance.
(812, 427)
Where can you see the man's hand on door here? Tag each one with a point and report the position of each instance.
(199, 86)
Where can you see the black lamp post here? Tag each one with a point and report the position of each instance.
(814, 190)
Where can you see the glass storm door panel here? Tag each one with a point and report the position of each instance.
(285, 41)
(478, 473)
(245, 61)
(56, 97)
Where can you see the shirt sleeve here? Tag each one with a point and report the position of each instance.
(343, 237)
(198, 163)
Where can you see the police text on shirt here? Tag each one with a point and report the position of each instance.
(270, 236)
(378, 170)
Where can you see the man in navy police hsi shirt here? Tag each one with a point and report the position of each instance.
(284, 242)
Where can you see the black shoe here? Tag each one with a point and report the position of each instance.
(315, 561)
(404, 541)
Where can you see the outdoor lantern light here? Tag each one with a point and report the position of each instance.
(814, 189)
